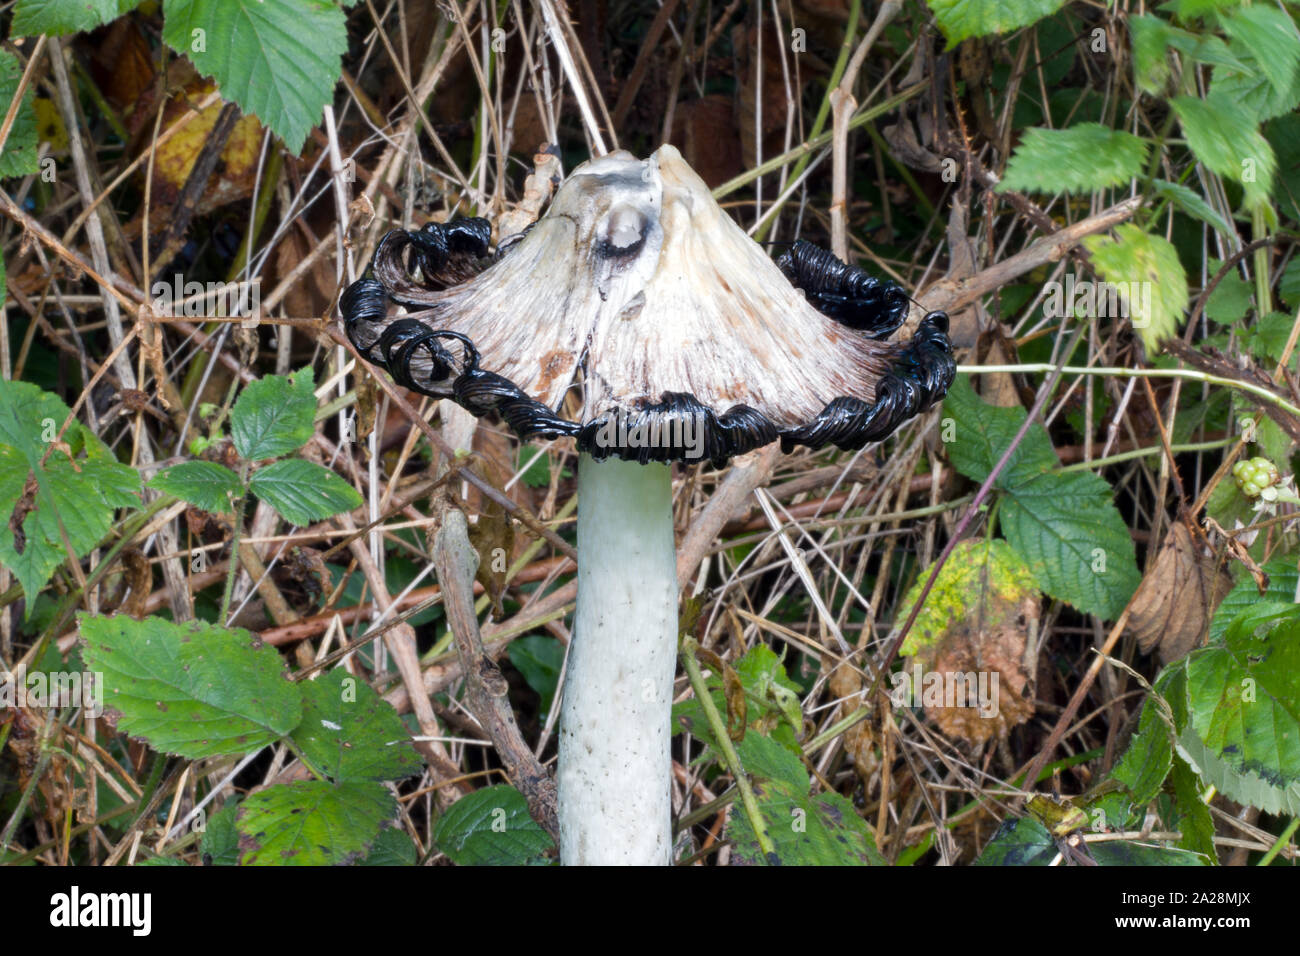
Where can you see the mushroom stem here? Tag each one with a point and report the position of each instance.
(615, 725)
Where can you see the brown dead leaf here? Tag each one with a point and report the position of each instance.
(139, 579)
(174, 159)
(24, 506)
(1174, 603)
(973, 646)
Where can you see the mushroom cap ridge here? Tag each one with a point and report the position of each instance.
(682, 337)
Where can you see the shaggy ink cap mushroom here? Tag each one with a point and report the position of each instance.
(683, 337)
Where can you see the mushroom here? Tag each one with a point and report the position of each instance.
(638, 305)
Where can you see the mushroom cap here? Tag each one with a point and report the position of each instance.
(639, 295)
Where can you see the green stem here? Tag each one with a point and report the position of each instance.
(1283, 839)
(1187, 373)
(729, 755)
(236, 524)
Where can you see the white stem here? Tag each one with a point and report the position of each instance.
(615, 724)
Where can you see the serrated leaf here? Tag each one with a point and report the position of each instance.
(1054, 521)
(313, 823)
(1026, 842)
(1270, 35)
(1230, 300)
(204, 484)
(1244, 596)
(1132, 853)
(1149, 756)
(959, 19)
(220, 843)
(1194, 819)
(1227, 140)
(1246, 788)
(1288, 286)
(491, 827)
(1243, 696)
(805, 830)
(303, 491)
(539, 658)
(1079, 159)
(1153, 39)
(20, 150)
(278, 59)
(1247, 86)
(59, 17)
(984, 431)
(1067, 529)
(195, 690)
(393, 847)
(1191, 203)
(1150, 41)
(1283, 135)
(274, 415)
(349, 732)
(1019, 842)
(1150, 278)
(77, 495)
(1266, 340)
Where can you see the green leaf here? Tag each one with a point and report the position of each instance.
(1149, 756)
(1080, 159)
(349, 732)
(220, 844)
(1227, 140)
(303, 491)
(19, 157)
(1244, 596)
(1055, 522)
(1191, 203)
(821, 830)
(393, 847)
(278, 59)
(274, 415)
(1283, 134)
(491, 827)
(539, 658)
(313, 823)
(1244, 695)
(1019, 842)
(1026, 842)
(1270, 35)
(1288, 286)
(1150, 278)
(1247, 788)
(1230, 300)
(984, 431)
(1246, 85)
(204, 484)
(1132, 853)
(959, 19)
(1194, 819)
(77, 495)
(1266, 340)
(193, 689)
(59, 17)
(1068, 530)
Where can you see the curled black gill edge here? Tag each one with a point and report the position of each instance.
(844, 292)
(679, 427)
